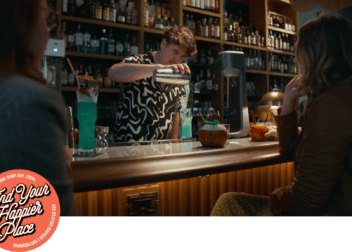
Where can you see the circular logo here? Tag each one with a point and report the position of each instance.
(29, 210)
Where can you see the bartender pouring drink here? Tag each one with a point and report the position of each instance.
(147, 109)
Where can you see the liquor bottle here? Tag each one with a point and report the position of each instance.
(121, 17)
(134, 46)
(257, 38)
(134, 16)
(293, 27)
(90, 71)
(207, 4)
(197, 4)
(111, 43)
(249, 37)
(276, 21)
(280, 42)
(95, 45)
(151, 15)
(202, 80)
(211, 29)
(225, 34)
(158, 8)
(146, 13)
(202, 58)
(216, 29)
(184, 3)
(99, 77)
(64, 35)
(210, 58)
(92, 10)
(129, 18)
(71, 79)
(163, 8)
(247, 60)
(244, 36)
(113, 12)
(239, 35)
(64, 79)
(65, 7)
(159, 23)
(205, 31)
(188, 21)
(202, 4)
(71, 42)
(173, 22)
(253, 38)
(82, 10)
(82, 82)
(72, 8)
(98, 11)
(119, 48)
(130, 5)
(209, 81)
(86, 40)
(103, 42)
(217, 6)
(79, 39)
(107, 81)
(166, 23)
(127, 46)
(168, 9)
(193, 3)
(215, 84)
(212, 5)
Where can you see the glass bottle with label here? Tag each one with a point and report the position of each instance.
(215, 84)
(159, 23)
(216, 29)
(129, 18)
(127, 46)
(201, 4)
(113, 12)
(64, 76)
(173, 22)
(98, 11)
(86, 40)
(210, 58)
(134, 16)
(146, 13)
(193, 25)
(79, 39)
(106, 12)
(166, 23)
(158, 8)
(209, 81)
(107, 81)
(99, 77)
(121, 19)
(152, 14)
(64, 35)
(103, 42)
(94, 45)
(71, 79)
(211, 29)
(134, 46)
(205, 28)
(197, 85)
(119, 49)
(202, 58)
(207, 4)
(111, 43)
(64, 7)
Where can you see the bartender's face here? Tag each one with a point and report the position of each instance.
(172, 54)
(41, 33)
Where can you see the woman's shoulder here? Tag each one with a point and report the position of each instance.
(21, 88)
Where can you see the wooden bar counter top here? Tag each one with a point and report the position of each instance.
(122, 166)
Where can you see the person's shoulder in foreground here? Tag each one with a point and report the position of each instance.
(32, 130)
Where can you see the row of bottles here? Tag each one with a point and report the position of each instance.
(158, 14)
(236, 30)
(282, 64)
(204, 82)
(104, 44)
(102, 10)
(204, 27)
(204, 57)
(209, 5)
(253, 59)
(101, 76)
(281, 21)
(276, 82)
(281, 41)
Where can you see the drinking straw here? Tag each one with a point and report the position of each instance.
(74, 72)
(253, 116)
(266, 118)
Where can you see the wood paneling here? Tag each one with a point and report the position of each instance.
(187, 197)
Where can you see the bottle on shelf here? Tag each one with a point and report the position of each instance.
(166, 23)
(210, 58)
(71, 79)
(95, 45)
(128, 18)
(207, 4)
(121, 19)
(113, 11)
(127, 46)
(134, 46)
(107, 81)
(209, 81)
(64, 35)
(159, 23)
(205, 31)
(202, 58)
(215, 84)
(64, 76)
(106, 12)
(197, 85)
(216, 29)
(168, 9)
(72, 8)
(211, 29)
(91, 8)
(99, 77)
(134, 16)
(158, 8)
(65, 7)
(152, 14)
(103, 42)
(82, 82)
(119, 48)
(82, 10)
(98, 11)
(79, 39)
(146, 13)
(163, 8)
(111, 43)
(202, 80)
(212, 5)
(86, 40)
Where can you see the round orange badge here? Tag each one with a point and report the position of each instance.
(29, 210)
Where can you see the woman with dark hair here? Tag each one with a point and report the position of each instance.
(322, 152)
(32, 118)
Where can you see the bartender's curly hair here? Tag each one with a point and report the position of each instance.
(181, 35)
(18, 19)
(324, 52)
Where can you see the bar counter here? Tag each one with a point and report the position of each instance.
(123, 166)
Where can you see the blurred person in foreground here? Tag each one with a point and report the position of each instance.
(147, 109)
(32, 117)
(322, 152)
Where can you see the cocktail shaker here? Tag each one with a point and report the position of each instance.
(167, 75)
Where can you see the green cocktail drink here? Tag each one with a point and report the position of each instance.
(87, 115)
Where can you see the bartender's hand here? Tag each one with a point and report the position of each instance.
(68, 158)
(182, 68)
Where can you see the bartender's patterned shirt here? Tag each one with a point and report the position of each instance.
(145, 110)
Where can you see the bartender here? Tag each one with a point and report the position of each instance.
(147, 109)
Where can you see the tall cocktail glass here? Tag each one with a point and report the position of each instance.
(87, 115)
